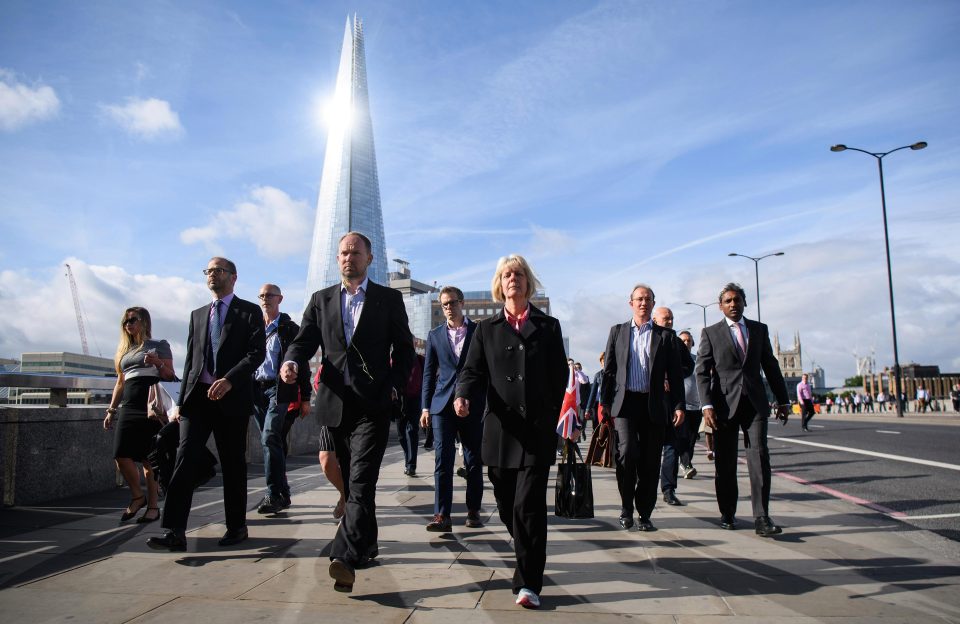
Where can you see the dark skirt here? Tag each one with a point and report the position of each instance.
(133, 437)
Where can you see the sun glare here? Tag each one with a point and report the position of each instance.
(337, 113)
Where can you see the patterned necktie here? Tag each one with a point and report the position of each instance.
(741, 342)
(216, 324)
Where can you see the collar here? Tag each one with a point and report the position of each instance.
(227, 299)
(362, 287)
(463, 324)
(644, 327)
(730, 323)
(513, 320)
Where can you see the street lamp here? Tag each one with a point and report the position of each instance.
(919, 145)
(704, 306)
(756, 272)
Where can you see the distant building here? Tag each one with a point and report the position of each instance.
(791, 365)
(63, 363)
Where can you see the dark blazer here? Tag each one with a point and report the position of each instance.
(243, 346)
(440, 369)
(722, 380)
(381, 333)
(665, 364)
(287, 329)
(525, 376)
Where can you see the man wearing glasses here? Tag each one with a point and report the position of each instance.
(270, 411)
(447, 346)
(358, 325)
(225, 345)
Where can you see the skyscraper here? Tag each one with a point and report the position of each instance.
(349, 188)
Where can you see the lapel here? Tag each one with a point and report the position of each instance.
(371, 300)
(471, 327)
(228, 320)
(656, 335)
(201, 320)
(332, 304)
(752, 332)
(532, 324)
(623, 348)
(731, 342)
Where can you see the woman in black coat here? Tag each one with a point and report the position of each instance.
(518, 356)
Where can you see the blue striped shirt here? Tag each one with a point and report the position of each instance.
(638, 366)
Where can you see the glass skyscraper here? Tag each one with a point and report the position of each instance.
(349, 188)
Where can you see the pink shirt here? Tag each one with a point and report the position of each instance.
(517, 322)
(804, 393)
(457, 336)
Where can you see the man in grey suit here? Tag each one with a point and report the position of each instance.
(732, 354)
(641, 357)
(359, 326)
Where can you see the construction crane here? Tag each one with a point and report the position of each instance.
(76, 307)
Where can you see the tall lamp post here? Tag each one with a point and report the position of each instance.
(704, 306)
(919, 145)
(756, 272)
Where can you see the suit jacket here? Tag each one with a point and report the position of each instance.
(723, 380)
(243, 347)
(381, 333)
(666, 363)
(440, 369)
(525, 375)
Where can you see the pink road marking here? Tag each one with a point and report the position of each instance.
(842, 496)
(835, 493)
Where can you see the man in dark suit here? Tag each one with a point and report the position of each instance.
(225, 344)
(732, 354)
(447, 346)
(641, 361)
(359, 326)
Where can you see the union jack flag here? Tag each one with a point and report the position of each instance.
(568, 422)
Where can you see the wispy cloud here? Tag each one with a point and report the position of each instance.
(22, 104)
(277, 225)
(148, 119)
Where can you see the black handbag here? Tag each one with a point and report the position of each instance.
(574, 497)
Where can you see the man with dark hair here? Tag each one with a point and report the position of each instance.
(360, 327)
(641, 361)
(732, 355)
(270, 413)
(225, 345)
(447, 346)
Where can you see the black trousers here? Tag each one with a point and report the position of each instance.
(521, 495)
(360, 440)
(639, 444)
(806, 412)
(200, 417)
(725, 440)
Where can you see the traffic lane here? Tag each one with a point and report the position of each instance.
(908, 492)
(939, 443)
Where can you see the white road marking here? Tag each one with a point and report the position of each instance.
(847, 449)
(25, 554)
(890, 432)
(931, 516)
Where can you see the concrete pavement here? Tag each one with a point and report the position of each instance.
(835, 562)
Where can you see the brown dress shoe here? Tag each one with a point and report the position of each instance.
(440, 524)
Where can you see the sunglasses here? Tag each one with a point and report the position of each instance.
(131, 321)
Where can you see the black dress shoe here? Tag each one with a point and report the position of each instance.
(646, 526)
(728, 522)
(766, 527)
(671, 499)
(233, 536)
(626, 521)
(343, 575)
(410, 472)
(174, 540)
(285, 501)
(473, 519)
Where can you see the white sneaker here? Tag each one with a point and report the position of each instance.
(527, 599)
(689, 472)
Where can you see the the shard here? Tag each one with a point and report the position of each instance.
(349, 188)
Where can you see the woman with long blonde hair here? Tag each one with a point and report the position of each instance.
(140, 362)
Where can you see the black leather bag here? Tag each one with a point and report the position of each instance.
(163, 458)
(574, 490)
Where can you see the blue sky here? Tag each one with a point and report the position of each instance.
(609, 142)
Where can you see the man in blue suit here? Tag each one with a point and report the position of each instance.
(447, 346)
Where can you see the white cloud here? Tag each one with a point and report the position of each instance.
(21, 104)
(42, 314)
(276, 224)
(148, 119)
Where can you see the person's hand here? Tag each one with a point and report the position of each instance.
(461, 407)
(394, 396)
(108, 422)
(783, 413)
(219, 388)
(576, 435)
(424, 419)
(288, 372)
(304, 408)
(678, 416)
(709, 417)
